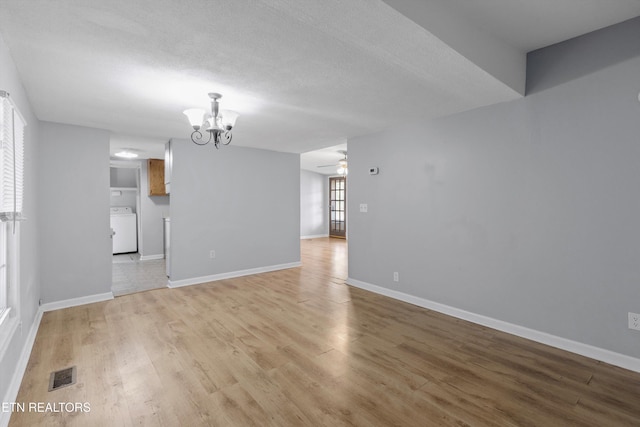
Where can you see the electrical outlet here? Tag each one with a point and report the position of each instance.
(396, 276)
(212, 254)
(634, 321)
(364, 207)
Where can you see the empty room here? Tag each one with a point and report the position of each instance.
(291, 213)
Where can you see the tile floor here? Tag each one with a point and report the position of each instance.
(132, 275)
(119, 258)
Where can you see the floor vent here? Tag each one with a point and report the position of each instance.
(62, 378)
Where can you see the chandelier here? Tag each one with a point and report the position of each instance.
(217, 124)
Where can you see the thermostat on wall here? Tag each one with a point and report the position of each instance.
(373, 171)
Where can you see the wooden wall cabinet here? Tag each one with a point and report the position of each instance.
(155, 172)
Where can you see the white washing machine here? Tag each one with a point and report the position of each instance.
(124, 229)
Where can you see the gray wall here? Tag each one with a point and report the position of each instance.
(153, 209)
(125, 198)
(314, 204)
(244, 203)
(573, 59)
(29, 253)
(526, 212)
(74, 199)
(123, 177)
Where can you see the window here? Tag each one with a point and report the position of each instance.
(4, 274)
(11, 194)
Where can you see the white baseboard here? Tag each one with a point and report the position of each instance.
(314, 236)
(57, 305)
(587, 350)
(150, 257)
(231, 274)
(21, 367)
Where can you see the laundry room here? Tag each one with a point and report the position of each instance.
(132, 202)
(124, 209)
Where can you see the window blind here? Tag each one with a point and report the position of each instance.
(11, 159)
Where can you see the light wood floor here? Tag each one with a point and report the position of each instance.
(299, 347)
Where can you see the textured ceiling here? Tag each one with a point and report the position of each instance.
(303, 74)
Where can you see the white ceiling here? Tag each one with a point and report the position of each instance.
(304, 74)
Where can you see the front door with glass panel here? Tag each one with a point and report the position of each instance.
(338, 207)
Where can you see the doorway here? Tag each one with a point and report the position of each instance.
(338, 207)
(125, 200)
(143, 267)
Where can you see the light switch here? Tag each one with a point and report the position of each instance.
(363, 207)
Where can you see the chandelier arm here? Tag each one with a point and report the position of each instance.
(196, 137)
(225, 137)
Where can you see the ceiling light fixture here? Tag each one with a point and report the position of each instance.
(342, 165)
(126, 154)
(217, 124)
